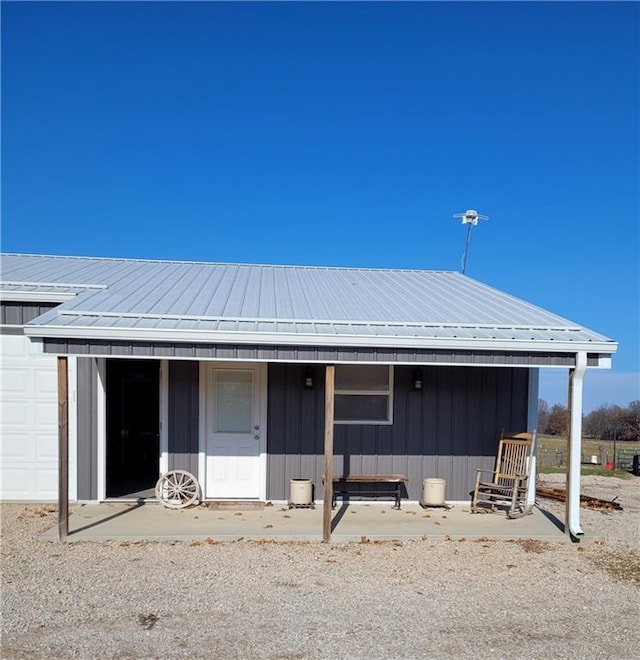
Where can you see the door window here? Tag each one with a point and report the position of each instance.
(234, 402)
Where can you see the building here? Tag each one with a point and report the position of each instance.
(219, 369)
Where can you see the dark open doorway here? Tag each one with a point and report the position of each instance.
(133, 427)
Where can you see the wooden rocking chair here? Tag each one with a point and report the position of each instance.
(509, 482)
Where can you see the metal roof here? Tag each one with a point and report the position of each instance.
(115, 298)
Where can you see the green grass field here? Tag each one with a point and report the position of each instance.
(548, 445)
(589, 446)
(585, 470)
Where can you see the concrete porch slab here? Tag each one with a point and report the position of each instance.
(350, 522)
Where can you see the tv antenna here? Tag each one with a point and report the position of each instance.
(469, 218)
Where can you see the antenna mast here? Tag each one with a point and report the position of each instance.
(469, 218)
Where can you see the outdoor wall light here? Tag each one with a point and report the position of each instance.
(417, 380)
(308, 378)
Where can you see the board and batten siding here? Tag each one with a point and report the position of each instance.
(182, 420)
(87, 407)
(20, 313)
(312, 354)
(447, 430)
(184, 401)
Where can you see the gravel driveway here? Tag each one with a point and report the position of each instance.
(418, 599)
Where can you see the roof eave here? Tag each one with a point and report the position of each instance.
(299, 339)
(14, 295)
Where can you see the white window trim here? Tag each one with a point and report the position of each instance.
(101, 416)
(73, 428)
(370, 422)
(164, 416)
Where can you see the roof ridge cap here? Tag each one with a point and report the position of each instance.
(229, 263)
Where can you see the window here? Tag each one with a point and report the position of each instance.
(363, 394)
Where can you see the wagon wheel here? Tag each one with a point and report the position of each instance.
(178, 489)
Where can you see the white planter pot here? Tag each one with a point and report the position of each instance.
(433, 492)
(300, 491)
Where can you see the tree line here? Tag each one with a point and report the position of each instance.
(604, 423)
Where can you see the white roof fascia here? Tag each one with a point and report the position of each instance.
(36, 296)
(203, 336)
(61, 285)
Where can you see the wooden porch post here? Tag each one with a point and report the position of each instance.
(328, 453)
(63, 449)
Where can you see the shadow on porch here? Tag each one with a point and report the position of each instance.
(116, 521)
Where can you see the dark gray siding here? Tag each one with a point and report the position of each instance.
(19, 313)
(295, 428)
(87, 429)
(183, 422)
(310, 353)
(447, 430)
(183, 416)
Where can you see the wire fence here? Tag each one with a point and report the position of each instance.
(605, 458)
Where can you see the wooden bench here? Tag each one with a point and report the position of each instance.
(342, 486)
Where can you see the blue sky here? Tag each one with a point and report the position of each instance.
(338, 134)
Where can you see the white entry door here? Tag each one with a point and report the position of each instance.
(234, 433)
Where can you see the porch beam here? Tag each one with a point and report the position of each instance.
(572, 506)
(63, 448)
(329, 390)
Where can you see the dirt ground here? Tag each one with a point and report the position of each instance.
(397, 599)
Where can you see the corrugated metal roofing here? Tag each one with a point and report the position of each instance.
(208, 299)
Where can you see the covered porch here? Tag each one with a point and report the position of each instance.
(348, 523)
(359, 522)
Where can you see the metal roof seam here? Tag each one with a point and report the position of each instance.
(311, 283)
(197, 286)
(230, 291)
(393, 297)
(303, 301)
(216, 278)
(284, 302)
(173, 294)
(258, 294)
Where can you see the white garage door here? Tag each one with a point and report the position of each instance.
(29, 421)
